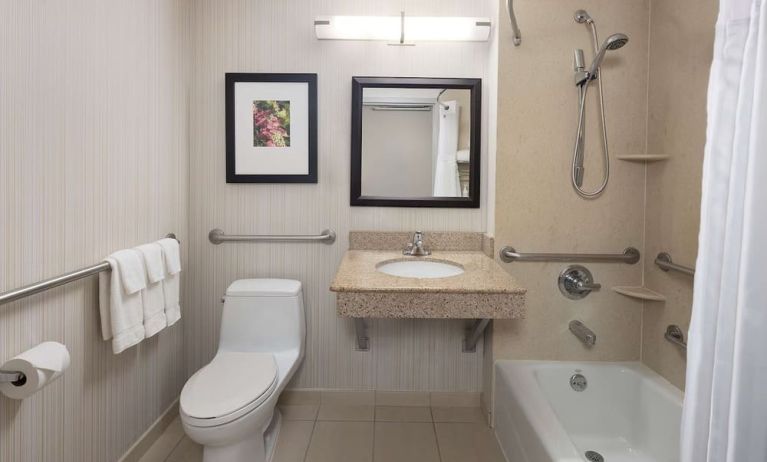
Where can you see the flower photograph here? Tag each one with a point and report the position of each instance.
(271, 123)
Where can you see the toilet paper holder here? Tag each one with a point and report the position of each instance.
(15, 377)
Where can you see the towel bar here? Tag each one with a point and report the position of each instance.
(217, 236)
(41, 286)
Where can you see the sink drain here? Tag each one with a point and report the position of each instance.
(593, 456)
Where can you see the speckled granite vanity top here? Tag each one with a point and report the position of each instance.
(483, 290)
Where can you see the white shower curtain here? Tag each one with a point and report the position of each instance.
(446, 181)
(725, 412)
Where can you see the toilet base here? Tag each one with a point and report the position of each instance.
(259, 448)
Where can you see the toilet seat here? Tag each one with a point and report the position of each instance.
(230, 386)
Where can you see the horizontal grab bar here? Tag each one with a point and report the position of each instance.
(675, 335)
(41, 286)
(630, 255)
(664, 262)
(217, 236)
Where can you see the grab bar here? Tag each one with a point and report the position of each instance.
(664, 262)
(217, 236)
(41, 286)
(675, 335)
(631, 255)
(517, 37)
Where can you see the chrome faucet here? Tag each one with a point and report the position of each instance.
(584, 334)
(416, 247)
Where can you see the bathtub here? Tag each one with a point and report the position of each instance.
(626, 413)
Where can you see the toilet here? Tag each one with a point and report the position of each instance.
(228, 406)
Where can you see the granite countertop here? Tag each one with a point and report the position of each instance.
(482, 275)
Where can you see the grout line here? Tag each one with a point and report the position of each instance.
(178, 443)
(436, 437)
(311, 435)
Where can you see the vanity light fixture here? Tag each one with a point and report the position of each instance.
(403, 30)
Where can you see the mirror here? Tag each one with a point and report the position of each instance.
(415, 142)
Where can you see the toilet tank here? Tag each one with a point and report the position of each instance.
(263, 315)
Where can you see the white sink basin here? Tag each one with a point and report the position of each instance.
(419, 268)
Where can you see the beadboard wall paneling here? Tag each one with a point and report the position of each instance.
(93, 158)
(278, 36)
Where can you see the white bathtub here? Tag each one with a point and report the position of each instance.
(626, 413)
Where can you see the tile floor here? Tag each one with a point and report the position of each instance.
(364, 427)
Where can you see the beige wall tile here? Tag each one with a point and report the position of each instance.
(405, 442)
(348, 397)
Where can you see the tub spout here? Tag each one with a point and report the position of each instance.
(584, 334)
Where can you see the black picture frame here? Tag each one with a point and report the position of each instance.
(231, 175)
(472, 84)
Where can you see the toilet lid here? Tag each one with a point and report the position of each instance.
(228, 383)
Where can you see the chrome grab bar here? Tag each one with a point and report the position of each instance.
(675, 335)
(664, 262)
(217, 236)
(37, 287)
(631, 255)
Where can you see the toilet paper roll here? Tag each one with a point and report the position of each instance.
(41, 365)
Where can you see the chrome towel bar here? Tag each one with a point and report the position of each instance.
(630, 255)
(37, 287)
(664, 262)
(217, 236)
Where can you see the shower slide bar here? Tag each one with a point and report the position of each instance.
(630, 255)
(41, 286)
(664, 262)
(217, 236)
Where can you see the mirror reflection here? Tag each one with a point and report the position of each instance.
(416, 142)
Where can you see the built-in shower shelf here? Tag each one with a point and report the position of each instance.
(642, 293)
(644, 157)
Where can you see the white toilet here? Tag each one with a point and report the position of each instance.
(228, 406)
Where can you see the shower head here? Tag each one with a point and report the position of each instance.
(582, 16)
(613, 42)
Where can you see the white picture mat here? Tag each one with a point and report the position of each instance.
(251, 160)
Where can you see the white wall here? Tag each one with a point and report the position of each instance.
(277, 36)
(93, 158)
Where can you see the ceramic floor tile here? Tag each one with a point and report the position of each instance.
(348, 398)
(362, 413)
(454, 399)
(458, 414)
(341, 442)
(405, 442)
(163, 446)
(293, 441)
(299, 411)
(186, 451)
(403, 414)
(468, 442)
(299, 397)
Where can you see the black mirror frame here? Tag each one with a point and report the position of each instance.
(474, 85)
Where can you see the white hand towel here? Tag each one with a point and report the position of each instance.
(153, 296)
(122, 316)
(171, 284)
(132, 272)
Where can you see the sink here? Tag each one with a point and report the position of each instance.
(420, 268)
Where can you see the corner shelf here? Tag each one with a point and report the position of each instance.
(646, 158)
(642, 293)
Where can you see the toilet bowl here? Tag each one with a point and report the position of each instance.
(228, 406)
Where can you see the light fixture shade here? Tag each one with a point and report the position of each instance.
(402, 29)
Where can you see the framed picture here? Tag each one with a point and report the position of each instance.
(271, 128)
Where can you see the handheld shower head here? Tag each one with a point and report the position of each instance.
(613, 42)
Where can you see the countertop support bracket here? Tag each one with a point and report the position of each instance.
(473, 335)
(361, 331)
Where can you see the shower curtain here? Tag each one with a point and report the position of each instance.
(446, 181)
(725, 411)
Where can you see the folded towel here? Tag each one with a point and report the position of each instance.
(122, 316)
(171, 283)
(463, 155)
(153, 296)
(132, 272)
